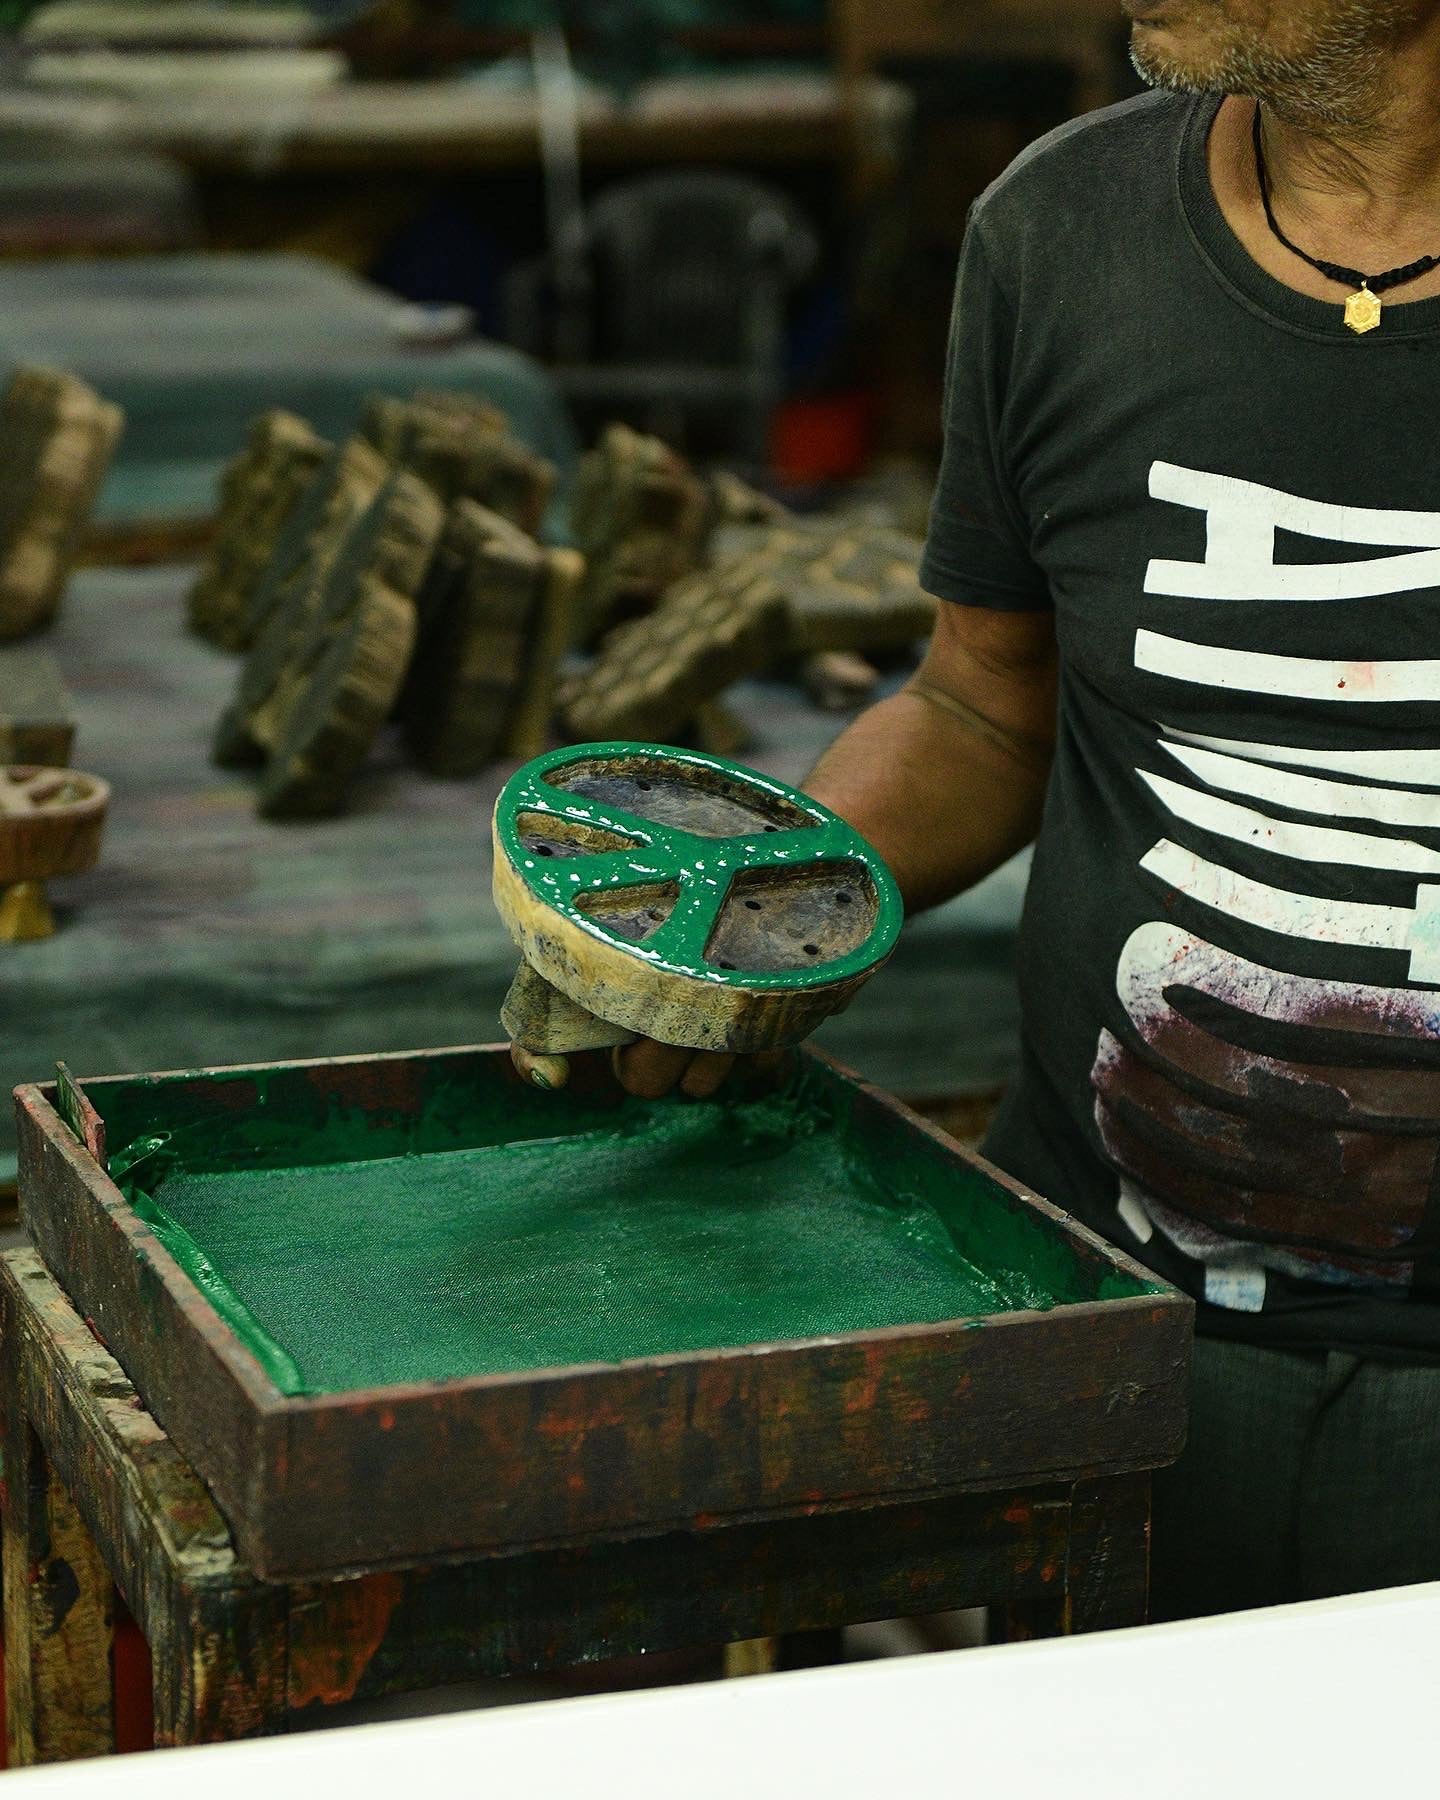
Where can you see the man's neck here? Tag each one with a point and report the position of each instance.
(1365, 196)
(1373, 185)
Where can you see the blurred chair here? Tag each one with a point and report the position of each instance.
(671, 309)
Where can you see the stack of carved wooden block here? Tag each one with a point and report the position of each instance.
(395, 575)
(58, 437)
(739, 586)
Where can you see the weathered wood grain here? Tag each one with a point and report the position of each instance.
(651, 675)
(59, 437)
(259, 493)
(37, 714)
(496, 618)
(58, 1621)
(216, 1636)
(327, 671)
(465, 450)
(845, 586)
(641, 517)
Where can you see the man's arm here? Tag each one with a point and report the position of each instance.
(947, 780)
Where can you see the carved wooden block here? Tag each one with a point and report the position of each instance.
(465, 450)
(37, 715)
(289, 594)
(641, 518)
(314, 702)
(58, 437)
(846, 586)
(261, 490)
(344, 694)
(735, 502)
(51, 823)
(653, 674)
(497, 615)
(738, 915)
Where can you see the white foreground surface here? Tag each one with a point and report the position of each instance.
(1333, 1699)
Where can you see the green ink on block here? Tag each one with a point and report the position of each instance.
(513, 1232)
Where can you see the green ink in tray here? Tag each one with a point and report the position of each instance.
(597, 1235)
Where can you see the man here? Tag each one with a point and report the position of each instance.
(1192, 487)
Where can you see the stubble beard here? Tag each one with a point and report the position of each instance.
(1335, 80)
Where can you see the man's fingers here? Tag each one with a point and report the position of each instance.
(707, 1074)
(549, 1072)
(648, 1070)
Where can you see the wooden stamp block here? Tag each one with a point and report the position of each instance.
(465, 450)
(641, 517)
(37, 715)
(320, 694)
(289, 594)
(261, 490)
(342, 697)
(496, 617)
(58, 437)
(845, 586)
(651, 675)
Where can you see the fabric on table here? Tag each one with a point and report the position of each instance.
(240, 334)
(1308, 1475)
(210, 936)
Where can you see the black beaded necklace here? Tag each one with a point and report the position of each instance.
(1363, 311)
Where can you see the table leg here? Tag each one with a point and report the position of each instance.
(58, 1615)
(752, 1656)
(219, 1659)
(1107, 1582)
(1108, 1586)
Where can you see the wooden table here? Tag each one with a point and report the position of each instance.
(597, 1507)
(99, 1500)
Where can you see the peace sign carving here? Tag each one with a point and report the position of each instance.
(687, 898)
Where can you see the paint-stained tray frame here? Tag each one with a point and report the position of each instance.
(404, 1475)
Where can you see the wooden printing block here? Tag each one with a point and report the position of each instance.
(59, 437)
(261, 490)
(392, 424)
(466, 451)
(496, 617)
(51, 822)
(740, 915)
(289, 593)
(37, 715)
(652, 675)
(330, 701)
(735, 502)
(846, 586)
(641, 518)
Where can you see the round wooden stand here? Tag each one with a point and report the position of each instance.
(51, 823)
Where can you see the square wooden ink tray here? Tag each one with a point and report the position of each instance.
(402, 1308)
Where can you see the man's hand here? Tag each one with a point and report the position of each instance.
(649, 1070)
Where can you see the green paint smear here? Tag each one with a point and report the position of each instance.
(515, 1231)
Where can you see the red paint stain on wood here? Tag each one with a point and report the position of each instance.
(334, 1642)
(1017, 1513)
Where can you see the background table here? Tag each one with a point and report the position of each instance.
(194, 346)
(211, 936)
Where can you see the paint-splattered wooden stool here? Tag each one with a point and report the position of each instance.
(358, 1377)
(51, 824)
(671, 895)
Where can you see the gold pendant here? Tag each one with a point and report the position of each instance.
(1363, 312)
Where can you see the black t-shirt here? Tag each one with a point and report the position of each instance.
(1230, 961)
